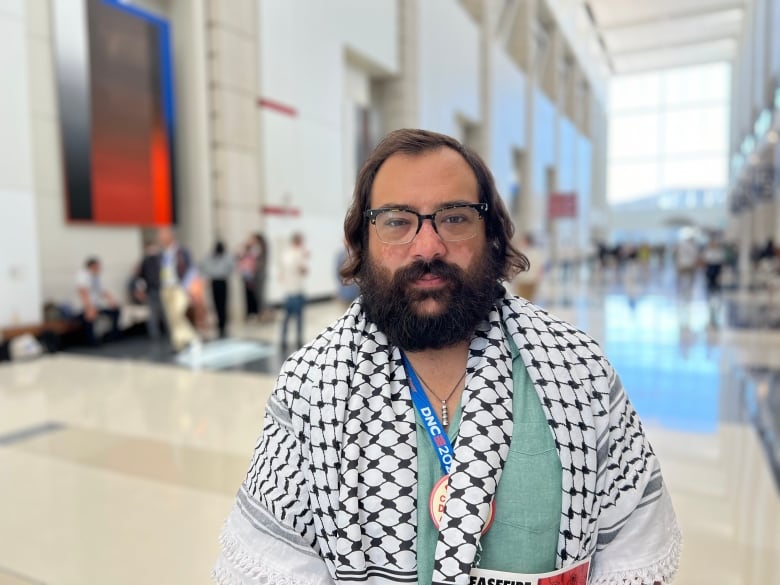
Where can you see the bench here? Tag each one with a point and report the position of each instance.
(49, 333)
(57, 327)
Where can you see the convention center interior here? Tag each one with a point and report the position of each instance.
(175, 177)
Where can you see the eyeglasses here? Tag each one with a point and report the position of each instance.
(453, 223)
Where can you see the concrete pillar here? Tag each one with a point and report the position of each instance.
(763, 221)
(776, 199)
(525, 49)
(598, 199)
(195, 188)
(774, 204)
(233, 67)
(397, 97)
(489, 22)
(20, 275)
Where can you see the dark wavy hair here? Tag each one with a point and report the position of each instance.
(498, 225)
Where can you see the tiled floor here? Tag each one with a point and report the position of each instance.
(117, 471)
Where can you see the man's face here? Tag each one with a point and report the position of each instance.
(424, 184)
(429, 292)
(165, 237)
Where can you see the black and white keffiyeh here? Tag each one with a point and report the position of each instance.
(331, 493)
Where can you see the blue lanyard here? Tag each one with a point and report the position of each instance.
(436, 433)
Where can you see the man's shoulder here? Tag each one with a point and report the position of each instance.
(539, 317)
(532, 318)
(320, 351)
(327, 357)
(558, 354)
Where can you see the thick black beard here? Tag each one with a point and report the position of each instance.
(465, 300)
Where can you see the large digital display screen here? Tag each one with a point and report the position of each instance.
(115, 95)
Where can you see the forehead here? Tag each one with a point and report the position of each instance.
(424, 180)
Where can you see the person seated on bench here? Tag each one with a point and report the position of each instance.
(181, 291)
(95, 300)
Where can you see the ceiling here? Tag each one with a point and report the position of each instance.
(641, 35)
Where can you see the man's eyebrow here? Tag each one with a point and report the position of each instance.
(407, 206)
(396, 206)
(458, 202)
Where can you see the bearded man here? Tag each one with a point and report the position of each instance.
(442, 429)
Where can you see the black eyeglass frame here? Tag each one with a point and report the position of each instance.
(373, 214)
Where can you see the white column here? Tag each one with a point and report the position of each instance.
(526, 220)
(776, 198)
(488, 24)
(20, 293)
(194, 164)
(233, 65)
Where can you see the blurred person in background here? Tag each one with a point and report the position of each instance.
(294, 268)
(768, 251)
(731, 263)
(361, 476)
(769, 254)
(95, 301)
(713, 257)
(603, 254)
(644, 256)
(261, 255)
(217, 268)
(247, 269)
(146, 289)
(687, 263)
(767, 271)
(631, 272)
(181, 291)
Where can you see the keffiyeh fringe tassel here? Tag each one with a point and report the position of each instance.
(661, 572)
(237, 566)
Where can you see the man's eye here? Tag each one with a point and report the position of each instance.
(395, 222)
(454, 218)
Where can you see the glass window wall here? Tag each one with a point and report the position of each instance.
(668, 130)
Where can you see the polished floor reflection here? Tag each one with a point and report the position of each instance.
(116, 470)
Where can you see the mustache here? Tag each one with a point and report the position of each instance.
(421, 268)
(391, 302)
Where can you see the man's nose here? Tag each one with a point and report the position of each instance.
(428, 244)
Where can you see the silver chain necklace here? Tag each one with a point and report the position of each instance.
(445, 420)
